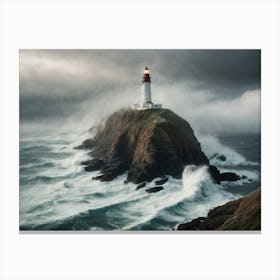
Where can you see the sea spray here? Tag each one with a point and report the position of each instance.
(174, 192)
(192, 180)
(192, 196)
(221, 155)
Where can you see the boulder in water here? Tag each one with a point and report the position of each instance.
(154, 189)
(162, 181)
(229, 176)
(218, 177)
(140, 186)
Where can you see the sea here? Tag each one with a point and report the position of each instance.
(55, 193)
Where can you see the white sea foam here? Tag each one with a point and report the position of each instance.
(195, 188)
(52, 194)
(213, 148)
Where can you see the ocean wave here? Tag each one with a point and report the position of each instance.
(221, 155)
(56, 192)
(196, 197)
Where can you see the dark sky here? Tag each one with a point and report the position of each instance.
(198, 84)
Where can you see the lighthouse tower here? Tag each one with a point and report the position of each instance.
(146, 87)
(146, 96)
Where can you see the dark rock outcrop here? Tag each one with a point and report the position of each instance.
(147, 144)
(154, 189)
(229, 176)
(93, 164)
(215, 174)
(218, 177)
(161, 181)
(241, 214)
(140, 186)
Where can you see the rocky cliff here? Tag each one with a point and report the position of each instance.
(147, 144)
(241, 214)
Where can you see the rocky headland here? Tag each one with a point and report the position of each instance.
(146, 144)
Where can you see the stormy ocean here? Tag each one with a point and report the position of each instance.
(57, 194)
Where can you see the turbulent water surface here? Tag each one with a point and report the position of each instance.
(56, 193)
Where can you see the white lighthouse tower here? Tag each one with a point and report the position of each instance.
(146, 87)
(146, 96)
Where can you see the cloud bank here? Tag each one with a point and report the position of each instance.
(215, 90)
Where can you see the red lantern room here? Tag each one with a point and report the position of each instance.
(146, 76)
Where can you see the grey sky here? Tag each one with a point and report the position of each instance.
(57, 84)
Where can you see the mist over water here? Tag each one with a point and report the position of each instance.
(240, 115)
(215, 90)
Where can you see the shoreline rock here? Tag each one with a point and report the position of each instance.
(240, 214)
(218, 177)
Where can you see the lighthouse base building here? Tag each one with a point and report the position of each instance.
(145, 106)
(146, 96)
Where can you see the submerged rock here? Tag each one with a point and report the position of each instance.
(140, 186)
(154, 189)
(146, 143)
(218, 156)
(221, 158)
(161, 181)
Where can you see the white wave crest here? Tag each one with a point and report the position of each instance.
(193, 178)
(196, 191)
(215, 150)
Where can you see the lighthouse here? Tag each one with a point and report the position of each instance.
(146, 95)
(146, 87)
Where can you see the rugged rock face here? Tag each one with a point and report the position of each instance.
(147, 144)
(241, 214)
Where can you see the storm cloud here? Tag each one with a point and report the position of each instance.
(215, 90)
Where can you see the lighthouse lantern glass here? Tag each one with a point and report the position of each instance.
(146, 71)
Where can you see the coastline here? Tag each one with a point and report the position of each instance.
(240, 214)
